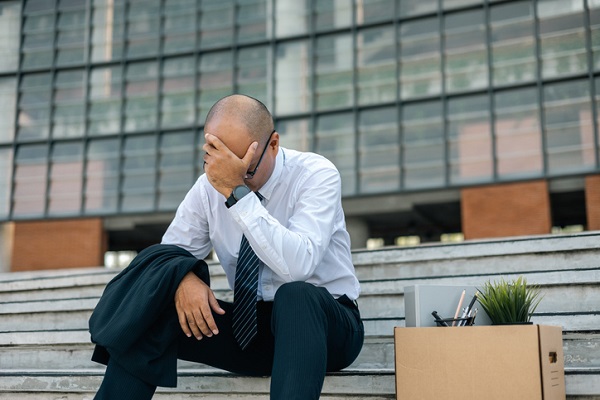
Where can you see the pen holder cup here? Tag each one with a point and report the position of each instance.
(447, 322)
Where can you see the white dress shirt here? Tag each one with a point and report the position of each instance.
(298, 230)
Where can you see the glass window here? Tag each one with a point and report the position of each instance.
(420, 59)
(292, 78)
(292, 17)
(141, 96)
(376, 61)
(330, 14)
(368, 11)
(104, 113)
(38, 34)
(215, 80)
(143, 22)
(6, 163)
(139, 173)
(296, 134)
(333, 74)
(253, 65)
(416, 7)
(10, 17)
(177, 103)
(335, 141)
(379, 149)
(450, 4)
(465, 50)
(252, 17)
(469, 139)
(594, 6)
(179, 26)
(68, 117)
(30, 181)
(176, 168)
(102, 176)
(65, 178)
(108, 28)
(216, 23)
(424, 149)
(569, 129)
(34, 106)
(8, 107)
(71, 32)
(518, 134)
(513, 43)
(562, 37)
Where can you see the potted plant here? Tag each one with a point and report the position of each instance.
(509, 302)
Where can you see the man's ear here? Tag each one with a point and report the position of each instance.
(274, 141)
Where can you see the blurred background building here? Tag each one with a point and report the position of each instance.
(448, 119)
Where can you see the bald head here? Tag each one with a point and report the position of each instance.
(247, 110)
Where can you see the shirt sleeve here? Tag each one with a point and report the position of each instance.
(294, 251)
(189, 228)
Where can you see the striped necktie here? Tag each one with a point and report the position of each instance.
(244, 294)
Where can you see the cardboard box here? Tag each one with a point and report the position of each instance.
(480, 362)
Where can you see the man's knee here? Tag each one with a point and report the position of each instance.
(292, 292)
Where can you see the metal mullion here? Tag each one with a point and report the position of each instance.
(121, 134)
(540, 89)
(160, 59)
(50, 139)
(590, 57)
(86, 121)
(234, 47)
(196, 131)
(271, 62)
(398, 48)
(443, 94)
(354, 33)
(19, 78)
(492, 102)
(312, 39)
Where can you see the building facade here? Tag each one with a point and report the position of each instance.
(446, 118)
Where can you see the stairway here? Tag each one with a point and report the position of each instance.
(45, 350)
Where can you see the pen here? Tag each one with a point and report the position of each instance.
(472, 303)
(462, 297)
(437, 318)
(467, 311)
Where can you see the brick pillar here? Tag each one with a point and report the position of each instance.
(58, 244)
(592, 202)
(513, 209)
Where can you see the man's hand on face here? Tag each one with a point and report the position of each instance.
(194, 302)
(223, 168)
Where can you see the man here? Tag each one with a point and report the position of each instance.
(280, 211)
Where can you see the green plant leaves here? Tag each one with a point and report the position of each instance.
(509, 302)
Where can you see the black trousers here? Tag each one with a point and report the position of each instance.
(302, 334)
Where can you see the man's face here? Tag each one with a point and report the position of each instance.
(237, 138)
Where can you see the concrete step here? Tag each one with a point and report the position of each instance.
(581, 351)
(200, 383)
(211, 384)
(379, 299)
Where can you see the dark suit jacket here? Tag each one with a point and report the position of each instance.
(135, 321)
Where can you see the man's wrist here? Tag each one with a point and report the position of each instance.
(237, 194)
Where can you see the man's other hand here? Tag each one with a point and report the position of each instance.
(194, 302)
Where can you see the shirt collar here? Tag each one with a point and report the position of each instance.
(267, 189)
